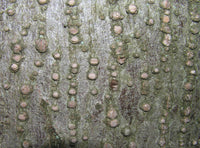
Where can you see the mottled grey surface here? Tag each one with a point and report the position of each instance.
(145, 126)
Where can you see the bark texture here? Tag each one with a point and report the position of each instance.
(99, 73)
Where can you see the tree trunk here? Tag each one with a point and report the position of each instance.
(99, 73)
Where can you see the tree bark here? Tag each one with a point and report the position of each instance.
(99, 73)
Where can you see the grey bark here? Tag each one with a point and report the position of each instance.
(47, 128)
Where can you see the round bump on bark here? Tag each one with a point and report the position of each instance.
(92, 75)
(55, 94)
(116, 16)
(14, 67)
(165, 19)
(26, 144)
(167, 40)
(23, 104)
(38, 63)
(145, 107)
(10, 11)
(73, 140)
(17, 48)
(41, 45)
(24, 32)
(73, 84)
(71, 104)
(151, 1)
(150, 22)
(165, 4)
(136, 55)
(94, 61)
(162, 141)
(55, 108)
(112, 113)
(73, 30)
(55, 76)
(56, 56)
(94, 91)
(189, 63)
(132, 9)
(75, 40)
(72, 132)
(107, 145)
(26, 89)
(155, 70)
(6, 29)
(71, 126)
(114, 123)
(72, 91)
(71, 3)
(6, 86)
(85, 138)
(183, 129)
(16, 58)
(117, 29)
(23, 116)
(144, 76)
(188, 86)
(126, 131)
(42, 2)
(132, 144)
(69, 76)
(20, 129)
(114, 84)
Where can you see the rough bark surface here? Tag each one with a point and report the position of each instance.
(146, 93)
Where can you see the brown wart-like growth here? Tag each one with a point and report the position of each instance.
(23, 104)
(42, 2)
(117, 29)
(165, 4)
(71, 3)
(114, 123)
(55, 94)
(188, 86)
(14, 67)
(92, 76)
(23, 116)
(55, 76)
(73, 30)
(132, 145)
(75, 40)
(114, 84)
(145, 107)
(72, 91)
(132, 9)
(17, 58)
(116, 16)
(10, 11)
(126, 131)
(55, 108)
(166, 40)
(38, 63)
(41, 45)
(112, 113)
(6, 86)
(17, 48)
(71, 104)
(26, 89)
(24, 32)
(144, 75)
(94, 91)
(94, 61)
(26, 144)
(151, 1)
